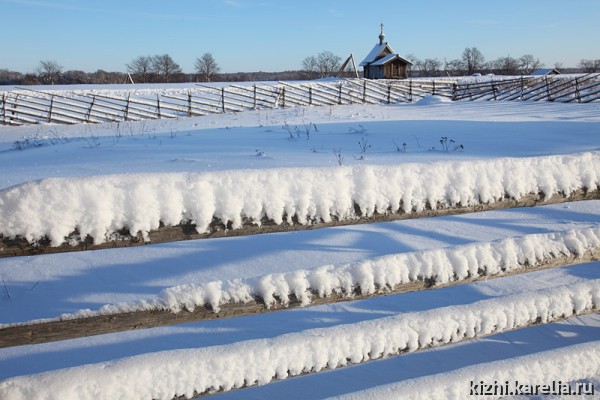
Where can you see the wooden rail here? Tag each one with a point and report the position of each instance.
(15, 247)
(27, 106)
(50, 331)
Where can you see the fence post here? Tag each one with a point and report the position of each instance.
(548, 89)
(3, 109)
(50, 109)
(310, 95)
(223, 99)
(410, 90)
(255, 95)
(522, 87)
(454, 91)
(126, 114)
(158, 106)
(189, 103)
(283, 97)
(13, 111)
(433, 93)
(364, 91)
(340, 94)
(494, 90)
(577, 94)
(389, 93)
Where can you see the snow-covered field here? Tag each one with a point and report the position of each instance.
(312, 162)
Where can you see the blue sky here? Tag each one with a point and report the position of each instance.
(276, 35)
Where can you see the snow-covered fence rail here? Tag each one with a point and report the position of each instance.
(567, 367)
(568, 88)
(26, 106)
(187, 373)
(390, 274)
(277, 197)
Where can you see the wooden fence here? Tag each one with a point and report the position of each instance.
(27, 106)
(568, 88)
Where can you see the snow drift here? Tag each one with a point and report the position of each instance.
(163, 375)
(101, 205)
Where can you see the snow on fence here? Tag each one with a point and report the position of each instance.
(190, 372)
(99, 206)
(556, 372)
(564, 88)
(27, 106)
(367, 277)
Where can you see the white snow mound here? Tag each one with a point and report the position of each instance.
(433, 100)
(100, 205)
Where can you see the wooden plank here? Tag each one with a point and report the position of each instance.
(363, 84)
(317, 95)
(581, 91)
(23, 107)
(57, 109)
(46, 332)
(132, 108)
(590, 97)
(266, 103)
(214, 110)
(297, 97)
(24, 119)
(324, 93)
(223, 92)
(13, 247)
(479, 91)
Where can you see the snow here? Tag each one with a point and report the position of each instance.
(563, 366)
(164, 375)
(100, 206)
(193, 273)
(369, 276)
(99, 178)
(375, 51)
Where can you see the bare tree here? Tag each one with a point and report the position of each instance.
(165, 67)
(141, 68)
(473, 60)
(207, 67)
(428, 67)
(453, 67)
(413, 58)
(328, 63)
(589, 66)
(310, 66)
(323, 65)
(506, 66)
(49, 72)
(529, 64)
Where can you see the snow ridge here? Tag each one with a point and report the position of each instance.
(163, 375)
(439, 266)
(366, 277)
(568, 364)
(101, 205)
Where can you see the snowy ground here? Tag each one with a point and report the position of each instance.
(48, 286)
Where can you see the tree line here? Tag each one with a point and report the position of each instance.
(163, 69)
(472, 61)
